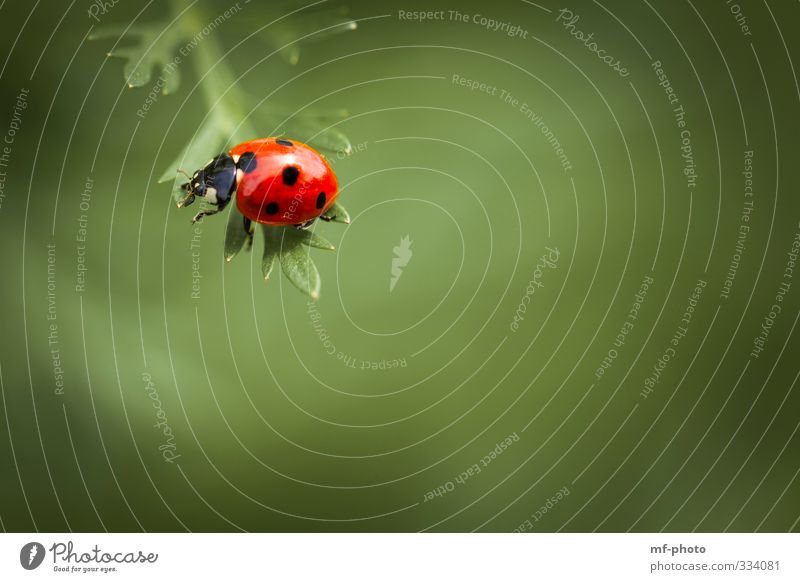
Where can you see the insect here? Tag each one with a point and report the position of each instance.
(276, 181)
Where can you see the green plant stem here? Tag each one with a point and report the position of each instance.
(217, 82)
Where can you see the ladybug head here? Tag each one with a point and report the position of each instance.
(214, 182)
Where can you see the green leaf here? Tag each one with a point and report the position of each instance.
(235, 234)
(318, 115)
(312, 239)
(272, 248)
(337, 213)
(105, 32)
(322, 137)
(178, 193)
(207, 142)
(294, 236)
(154, 46)
(307, 26)
(314, 128)
(299, 268)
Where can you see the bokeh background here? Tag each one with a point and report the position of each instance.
(552, 204)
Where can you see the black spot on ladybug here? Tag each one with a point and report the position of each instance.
(247, 162)
(321, 199)
(290, 174)
(272, 208)
(284, 142)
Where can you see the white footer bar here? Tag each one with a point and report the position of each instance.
(416, 557)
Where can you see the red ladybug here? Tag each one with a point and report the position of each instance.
(276, 181)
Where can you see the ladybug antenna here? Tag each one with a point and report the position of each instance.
(185, 174)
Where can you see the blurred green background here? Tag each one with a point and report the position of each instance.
(388, 410)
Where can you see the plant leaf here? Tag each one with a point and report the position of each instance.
(288, 35)
(337, 213)
(209, 140)
(105, 32)
(321, 136)
(314, 129)
(312, 239)
(318, 115)
(235, 234)
(299, 268)
(154, 46)
(272, 247)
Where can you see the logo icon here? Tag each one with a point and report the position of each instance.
(402, 255)
(31, 555)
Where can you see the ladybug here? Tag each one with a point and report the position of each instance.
(276, 182)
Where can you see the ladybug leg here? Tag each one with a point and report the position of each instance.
(189, 198)
(327, 217)
(248, 228)
(305, 225)
(199, 216)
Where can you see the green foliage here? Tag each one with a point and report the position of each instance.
(312, 239)
(287, 35)
(154, 46)
(315, 128)
(337, 213)
(272, 249)
(296, 262)
(232, 113)
(235, 234)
